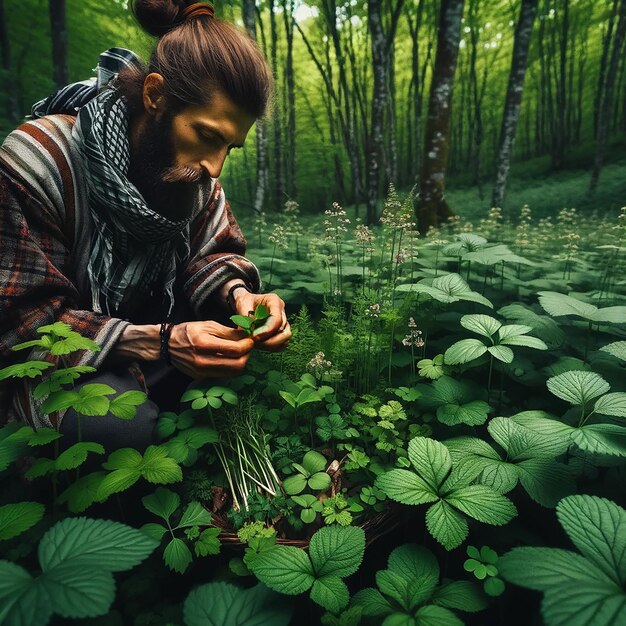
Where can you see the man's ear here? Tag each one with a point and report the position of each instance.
(153, 93)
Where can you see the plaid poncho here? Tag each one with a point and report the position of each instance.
(45, 233)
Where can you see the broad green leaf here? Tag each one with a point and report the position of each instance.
(76, 454)
(337, 551)
(543, 326)
(521, 442)
(483, 504)
(544, 568)
(162, 502)
(399, 619)
(545, 480)
(319, 481)
(509, 331)
(30, 369)
(285, 569)
(462, 595)
(591, 604)
(617, 349)
(208, 542)
(482, 324)
(177, 556)
(21, 602)
(40, 467)
(72, 343)
(446, 525)
(289, 398)
(502, 353)
(192, 394)
(95, 543)
(431, 459)
(294, 484)
(461, 447)
(39, 437)
(78, 593)
(314, 462)
(82, 493)
(60, 329)
(156, 531)
(59, 401)
(601, 439)
(373, 603)
(118, 480)
(578, 387)
(16, 518)
(523, 340)
(597, 527)
(612, 314)
(195, 515)
(223, 604)
(472, 413)
(557, 304)
(417, 564)
(464, 351)
(158, 467)
(405, 487)
(432, 615)
(125, 405)
(611, 404)
(242, 321)
(398, 588)
(500, 476)
(330, 592)
(556, 435)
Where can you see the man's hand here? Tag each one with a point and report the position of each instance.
(209, 350)
(275, 332)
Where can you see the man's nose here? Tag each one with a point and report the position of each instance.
(214, 164)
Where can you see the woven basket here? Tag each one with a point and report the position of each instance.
(375, 527)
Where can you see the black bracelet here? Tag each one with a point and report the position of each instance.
(230, 299)
(164, 333)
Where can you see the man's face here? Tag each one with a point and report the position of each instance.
(174, 153)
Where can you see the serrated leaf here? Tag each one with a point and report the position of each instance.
(462, 595)
(158, 467)
(483, 504)
(472, 413)
(330, 592)
(40, 467)
(76, 454)
(82, 493)
(30, 369)
(543, 568)
(162, 502)
(177, 556)
(337, 551)
(597, 527)
(285, 569)
(397, 587)
(101, 544)
(373, 603)
(557, 304)
(125, 405)
(221, 604)
(601, 439)
(464, 351)
(418, 565)
(405, 487)
(611, 404)
(617, 349)
(432, 615)
(155, 531)
(482, 324)
(19, 517)
(502, 353)
(195, 515)
(208, 543)
(545, 480)
(446, 525)
(431, 459)
(578, 387)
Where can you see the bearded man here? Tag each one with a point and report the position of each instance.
(112, 219)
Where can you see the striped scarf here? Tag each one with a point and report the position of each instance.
(134, 250)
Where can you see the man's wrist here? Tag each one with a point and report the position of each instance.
(231, 290)
(139, 342)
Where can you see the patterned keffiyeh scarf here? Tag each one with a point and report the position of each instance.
(134, 250)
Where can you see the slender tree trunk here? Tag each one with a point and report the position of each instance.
(392, 159)
(249, 20)
(431, 207)
(513, 101)
(606, 101)
(12, 106)
(58, 30)
(381, 44)
(278, 147)
(290, 152)
(607, 37)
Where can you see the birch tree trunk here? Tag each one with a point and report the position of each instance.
(606, 101)
(513, 101)
(431, 207)
(58, 32)
(249, 20)
(381, 44)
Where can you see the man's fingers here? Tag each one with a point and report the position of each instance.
(276, 342)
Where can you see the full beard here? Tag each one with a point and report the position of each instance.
(168, 189)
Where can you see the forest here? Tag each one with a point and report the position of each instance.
(438, 194)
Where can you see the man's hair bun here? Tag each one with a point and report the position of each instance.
(157, 17)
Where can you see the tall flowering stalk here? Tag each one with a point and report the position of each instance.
(365, 237)
(279, 239)
(614, 259)
(293, 227)
(413, 339)
(336, 225)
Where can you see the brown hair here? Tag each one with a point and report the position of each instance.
(197, 55)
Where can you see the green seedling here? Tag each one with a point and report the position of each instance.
(253, 321)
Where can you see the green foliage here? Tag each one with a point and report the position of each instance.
(409, 591)
(334, 553)
(223, 604)
(17, 518)
(78, 556)
(435, 480)
(558, 304)
(482, 563)
(309, 474)
(253, 321)
(448, 288)
(579, 588)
